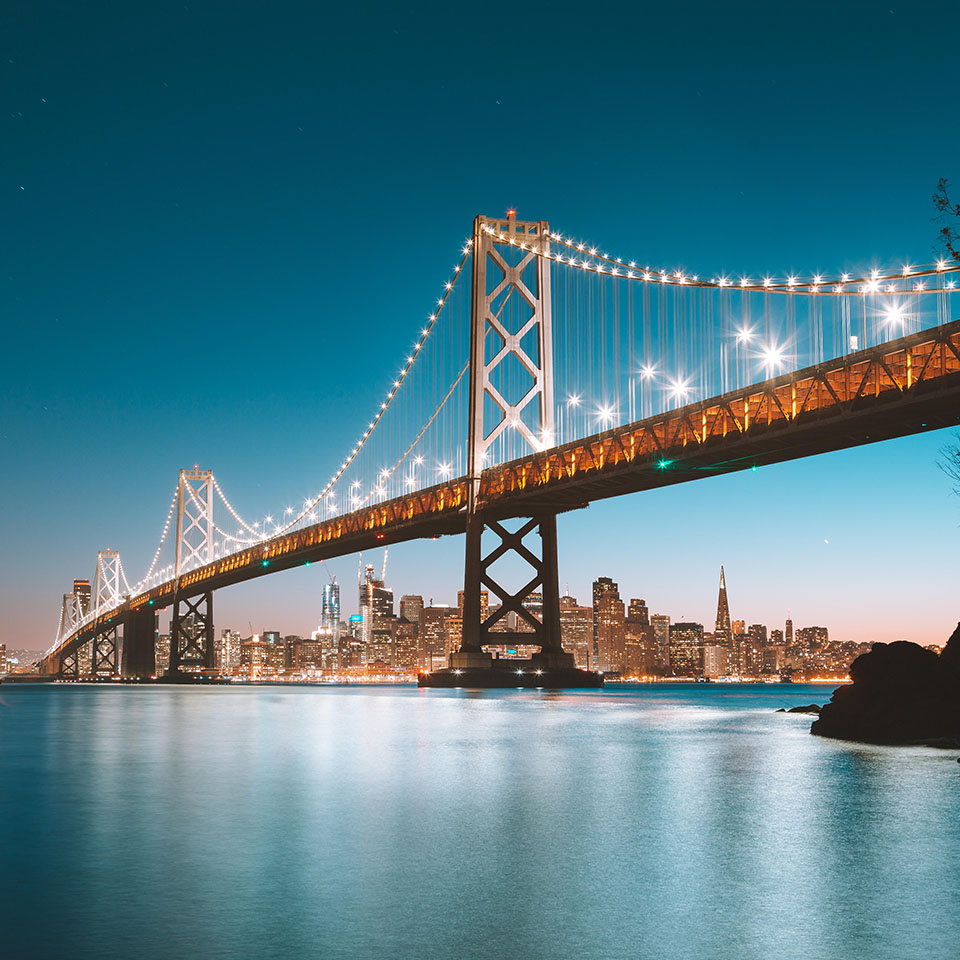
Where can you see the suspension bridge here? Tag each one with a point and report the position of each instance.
(549, 374)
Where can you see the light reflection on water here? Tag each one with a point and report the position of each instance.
(663, 821)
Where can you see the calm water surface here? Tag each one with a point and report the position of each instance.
(670, 821)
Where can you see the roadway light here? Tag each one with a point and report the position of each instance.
(744, 335)
(647, 372)
(772, 356)
(605, 414)
(573, 400)
(679, 389)
(894, 314)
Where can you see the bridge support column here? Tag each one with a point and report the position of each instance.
(544, 632)
(139, 644)
(191, 635)
(106, 652)
(70, 665)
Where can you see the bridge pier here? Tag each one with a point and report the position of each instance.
(138, 659)
(105, 651)
(69, 668)
(191, 635)
(471, 665)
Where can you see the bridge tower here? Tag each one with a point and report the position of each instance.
(191, 629)
(506, 265)
(107, 595)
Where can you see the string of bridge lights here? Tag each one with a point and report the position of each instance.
(156, 556)
(880, 282)
(259, 536)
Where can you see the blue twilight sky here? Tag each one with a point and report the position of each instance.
(206, 257)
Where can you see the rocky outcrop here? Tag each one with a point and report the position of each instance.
(901, 693)
(806, 708)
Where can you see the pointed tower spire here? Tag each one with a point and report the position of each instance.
(723, 629)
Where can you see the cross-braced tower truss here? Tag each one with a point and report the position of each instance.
(194, 519)
(107, 591)
(505, 335)
(107, 595)
(70, 616)
(512, 332)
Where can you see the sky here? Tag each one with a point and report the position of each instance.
(224, 222)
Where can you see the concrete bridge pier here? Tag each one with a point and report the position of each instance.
(138, 660)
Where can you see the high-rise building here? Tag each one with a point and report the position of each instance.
(405, 648)
(432, 646)
(723, 634)
(638, 612)
(660, 624)
(686, 649)
(788, 633)
(81, 590)
(638, 640)
(3, 660)
(376, 603)
(716, 660)
(812, 638)
(576, 631)
(609, 625)
(226, 652)
(330, 610)
(484, 604)
(751, 650)
(410, 606)
(602, 587)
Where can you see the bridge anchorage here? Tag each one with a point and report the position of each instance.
(510, 261)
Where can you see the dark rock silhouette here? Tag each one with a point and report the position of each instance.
(901, 694)
(806, 708)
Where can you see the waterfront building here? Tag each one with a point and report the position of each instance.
(161, 654)
(602, 586)
(3, 660)
(405, 645)
(432, 646)
(576, 631)
(453, 629)
(638, 640)
(226, 652)
(610, 626)
(716, 660)
(686, 649)
(660, 654)
(255, 658)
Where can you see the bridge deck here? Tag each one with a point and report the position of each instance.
(905, 386)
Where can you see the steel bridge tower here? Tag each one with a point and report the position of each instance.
(499, 276)
(191, 628)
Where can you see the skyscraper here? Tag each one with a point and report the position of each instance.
(686, 650)
(576, 631)
(660, 624)
(608, 625)
(602, 586)
(330, 611)
(376, 603)
(81, 590)
(723, 634)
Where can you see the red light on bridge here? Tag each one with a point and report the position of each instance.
(379, 536)
(511, 212)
